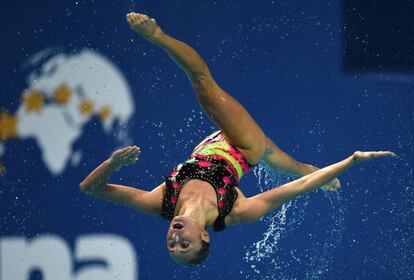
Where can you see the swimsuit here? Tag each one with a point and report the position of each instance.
(215, 161)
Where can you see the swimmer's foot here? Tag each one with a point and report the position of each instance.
(333, 185)
(145, 26)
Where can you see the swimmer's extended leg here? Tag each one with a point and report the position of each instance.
(278, 159)
(231, 117)
(238, 126)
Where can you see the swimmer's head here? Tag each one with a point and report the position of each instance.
(187, 241)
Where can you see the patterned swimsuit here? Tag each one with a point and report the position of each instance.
(215, 161)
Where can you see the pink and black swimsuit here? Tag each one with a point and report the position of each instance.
(215, 161)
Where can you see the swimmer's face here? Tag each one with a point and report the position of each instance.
(184, 239)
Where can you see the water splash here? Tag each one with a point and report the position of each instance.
(266, 247)
(275, 256)
(129, 5)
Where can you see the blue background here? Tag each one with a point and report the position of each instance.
(283, 60)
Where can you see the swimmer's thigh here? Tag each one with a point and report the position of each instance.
(231, 117)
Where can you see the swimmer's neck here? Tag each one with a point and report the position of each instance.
(195, 208)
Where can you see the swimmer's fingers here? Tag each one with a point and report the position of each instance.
(126, 156)
(362, 156)
(119, 152)
(134, 150)
(131, 155)
(131, 151)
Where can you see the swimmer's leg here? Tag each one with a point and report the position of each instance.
(238, 126)
(278, 159)
(230, 116)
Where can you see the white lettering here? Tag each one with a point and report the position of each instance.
(116, 251)
(51, 255)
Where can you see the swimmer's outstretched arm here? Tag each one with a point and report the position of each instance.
(254, 208)
(96, 184)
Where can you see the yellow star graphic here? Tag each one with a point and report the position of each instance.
(105, 113)
(62, 94)
(86, 107)
(8, 124)
(33, 101)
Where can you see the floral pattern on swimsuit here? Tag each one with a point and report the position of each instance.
(217, 169)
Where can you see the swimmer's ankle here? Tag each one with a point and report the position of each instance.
(159, 38)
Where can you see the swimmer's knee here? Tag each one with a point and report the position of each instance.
(257, 149)
(261, 146)
(202, 83)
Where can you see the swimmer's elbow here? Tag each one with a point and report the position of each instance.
(83, 187)
(87, 188)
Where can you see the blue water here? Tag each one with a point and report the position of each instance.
(284, 61)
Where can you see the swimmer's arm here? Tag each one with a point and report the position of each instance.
(254, 208)
(96, 184)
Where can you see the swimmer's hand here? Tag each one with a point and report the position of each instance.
(125, 156)
(359, 156)
(144, 26)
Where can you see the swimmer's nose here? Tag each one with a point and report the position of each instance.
(174, 238)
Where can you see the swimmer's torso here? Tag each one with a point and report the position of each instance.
(211, 173)
(194, 188)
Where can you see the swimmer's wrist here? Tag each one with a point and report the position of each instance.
(113, 164)
(353, 160)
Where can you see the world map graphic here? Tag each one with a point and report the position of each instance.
(63, 94)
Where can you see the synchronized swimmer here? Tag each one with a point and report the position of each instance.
(203, 191)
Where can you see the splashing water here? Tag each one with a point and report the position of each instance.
(263, 249)
(129, 5)
(278, 255)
